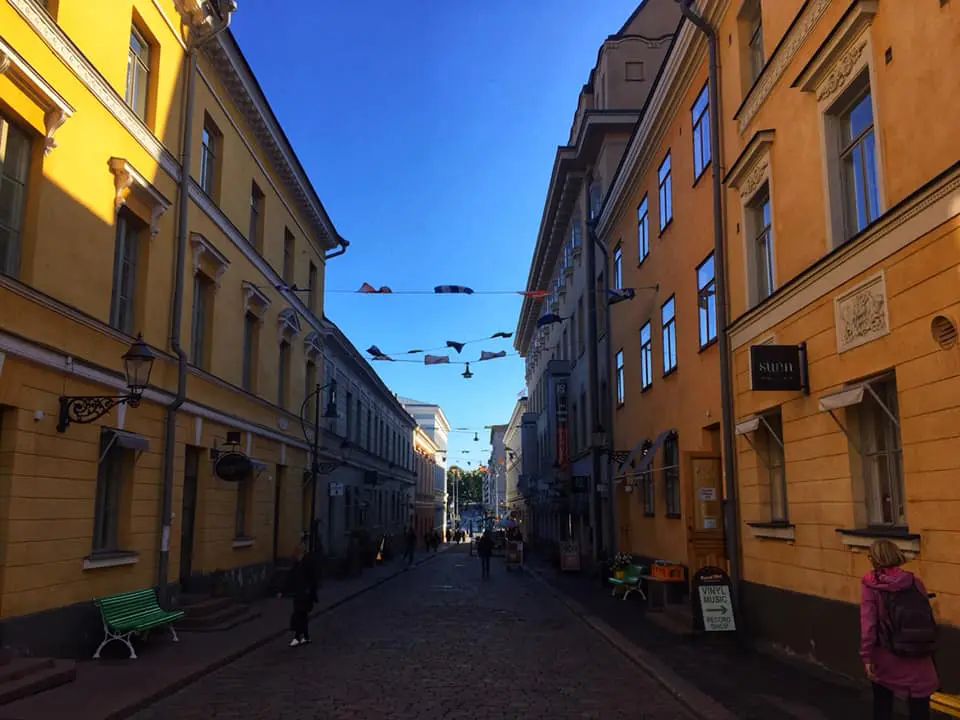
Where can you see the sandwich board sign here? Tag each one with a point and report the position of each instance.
(714, 611)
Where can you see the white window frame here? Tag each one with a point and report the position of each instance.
(138, 69)
(707, 299)
(643, 230)
(668, 328)
(618, 266)
(618, 360)
(646, 356)
(10, 260)
(665, 191)
(210, 140)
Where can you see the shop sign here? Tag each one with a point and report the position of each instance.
(569, 556)
(233, 467)
(778, 367)
(336, 489)
(714, 609)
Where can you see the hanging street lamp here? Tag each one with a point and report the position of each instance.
(137, 366)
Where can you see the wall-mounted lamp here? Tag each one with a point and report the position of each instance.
(137, 366)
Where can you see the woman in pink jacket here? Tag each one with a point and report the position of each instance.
(893, 674)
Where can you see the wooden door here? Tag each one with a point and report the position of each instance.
(188, 513)
(705, 536)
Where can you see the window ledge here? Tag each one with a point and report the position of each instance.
(665, 227)
(242, 542)
(703, 171)
(773, 530)
(674, 516)
(96, 561)
(671, 371)
(863, 538)
(710, 344)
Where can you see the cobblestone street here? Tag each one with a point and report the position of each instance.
(435, 642)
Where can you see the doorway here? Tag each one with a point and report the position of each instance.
(705, 521)
(279, 487)
(188, 514)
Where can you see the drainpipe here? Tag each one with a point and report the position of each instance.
(593, 407)
(176, 311)
(726, 389)
(608, 420)
(344, 244)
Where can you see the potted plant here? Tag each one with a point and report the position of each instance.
(620, 563)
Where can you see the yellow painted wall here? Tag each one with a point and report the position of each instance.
(61, 301)
(687, 399)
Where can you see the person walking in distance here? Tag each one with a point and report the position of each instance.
(898, 634)
(485, 550)
(410, 540)
(302, 587)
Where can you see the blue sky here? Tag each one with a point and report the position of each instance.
(428, 128)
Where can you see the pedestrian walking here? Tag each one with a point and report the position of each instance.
(410, 538)
(301, 585)
(898, 634)
(485, 550)
(436, 540)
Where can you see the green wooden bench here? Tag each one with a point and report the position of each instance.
(131, 613)
(630, 582)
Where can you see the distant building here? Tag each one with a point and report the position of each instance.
(431, 419)
(514, 483)
(495, 488)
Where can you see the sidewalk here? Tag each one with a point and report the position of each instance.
(750, 685)
(113, 689)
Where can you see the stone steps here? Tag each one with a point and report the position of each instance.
(22, 677)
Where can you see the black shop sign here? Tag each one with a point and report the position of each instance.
(233, 467)
(779, 367)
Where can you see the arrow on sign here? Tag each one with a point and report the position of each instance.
(721, 610)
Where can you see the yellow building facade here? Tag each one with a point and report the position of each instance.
(656, 226)
(92, 107)
(425, 450)
(842, 197)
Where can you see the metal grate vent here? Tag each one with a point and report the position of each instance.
(944, 332)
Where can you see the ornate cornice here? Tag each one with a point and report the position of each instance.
(225, 57)
(782, 57)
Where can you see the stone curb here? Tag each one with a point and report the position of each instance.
(699, 703)
(181, 683)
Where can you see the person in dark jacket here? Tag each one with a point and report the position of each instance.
(410, 545)
(302, 587)
(912, 678)
(485, 551)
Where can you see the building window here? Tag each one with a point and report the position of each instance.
(312, 288)
(649, 494)
(202, 317)
(671, 475)
(283, 374)
(759, 211)
(618, 267)
(643, 231)
(770, 436)
(14, 170)
(138, 74)
(210, 141)
(700, 116)
(125, 263)
(288, 250)
(563, 346)
(619, 366)
(596, 200)
(255, 234)
(880, 449)
(668, 323)
(581, 335)
(707, 301)
(311, 386)
(665, 192)
(646, 356)
(348, 431)
(251, 338)
(858, 158)
(115, 464)
(755, 44)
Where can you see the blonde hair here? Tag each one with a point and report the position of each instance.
(885, 554)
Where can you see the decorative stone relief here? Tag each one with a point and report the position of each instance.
(254, 300)
(52, 120)
(754, 178)
(861, 314)
(4, 62)
(127, 180)
(780, 61)
(202, 248)
(837, 77)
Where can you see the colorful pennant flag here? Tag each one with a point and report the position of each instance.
(458, 346)
(534, 294)
(502, 335)
(485, 355)
(436, 359)
(548, 319)
(452, 290)
(377, 354)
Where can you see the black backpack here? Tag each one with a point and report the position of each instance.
(908, 628)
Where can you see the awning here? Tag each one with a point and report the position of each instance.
(843, 398)
(647, 460)
(747, 425)
(130, 441)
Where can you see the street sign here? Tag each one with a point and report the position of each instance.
(336, 489)
(714, 612)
